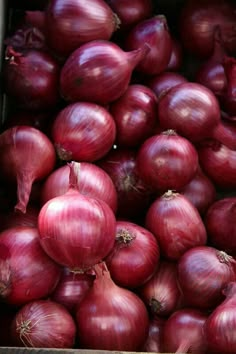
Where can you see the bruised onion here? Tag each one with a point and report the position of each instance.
(99, 71)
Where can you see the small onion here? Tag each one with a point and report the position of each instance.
(176, 224)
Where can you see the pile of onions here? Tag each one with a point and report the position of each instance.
(135, 256)
(111, 317)
(43, 324)
(76, 231)
(26, 272)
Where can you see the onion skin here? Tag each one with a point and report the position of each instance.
(135, 115)
(98, 71)
(72, 23)
(83, 131)
(203, 272)
(19, 146)
(222, 212)
(111, 317)
(176, 224)
(43, 323)
(153, 343)
(167, 161)
(26, 272)
(135, 256)
(93, 182)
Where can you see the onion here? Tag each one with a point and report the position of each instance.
(135, 115)
(161, 293)
(176, 224)
(155, 32)
(26, 37)
(76, 231)
(183, 332)
(83, 131)
(211, 73)
(200, 191)
(17, 218)
(43, 324)
(228, 98)
(163, 82)
(26, 272)
(153, 343)
(111, 317)
(219, 164)
(203, 272)
(176, 57)
(220, 325)
(135, 256)
(193, 111)
(198, 21)
(131, 13)
(71, 289)
(134, 196)
(19, 146)
(167, 161)
(35, 19)
(222, 212)
(72, 23)
(99, 71)
(93, 182)
(31, 78)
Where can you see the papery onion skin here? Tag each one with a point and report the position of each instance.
(203, 272)
(98, 71)
(222, 212)
(83, 131)
(43, 324)
(76, 231)
(135, 256)
(26, 272)
(153, 343)
(161, 292)
(155, 32)
(167, 161)
(135, 115)
(19, 147)
(72, 23)
(93, 182)
(111, 317)
(183, 332)
(176, 224)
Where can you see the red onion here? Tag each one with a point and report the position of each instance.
(135, 115)
(135, 256)
(43, 324)
(220, 325)
(228, 98)
(31, 78)
(219, 164)
(163, 82)
(134, 196)
(155, 32)
(211, 72)
(220, 224)
(203, 272)
(26, 272)
(76, 231)
(35, 19)
(71, 289)
(111, 317)
(17, 218)
(153, 343)
(176, 57)
(19, 146)
(131, 13)
(200, 191)
(161, 293)
(198, 21)
(72, 23)
(193, 111)
(167, 161)
(99, 71)
(26, 37)
(83, 131)
(183, 332)
(93, 182)
(176, 224)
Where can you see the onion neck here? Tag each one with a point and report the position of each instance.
(169, 195)
(24, 185)
(74, 175)
(183, 347)
(223, 257)
(226, 135)
(134, 57)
